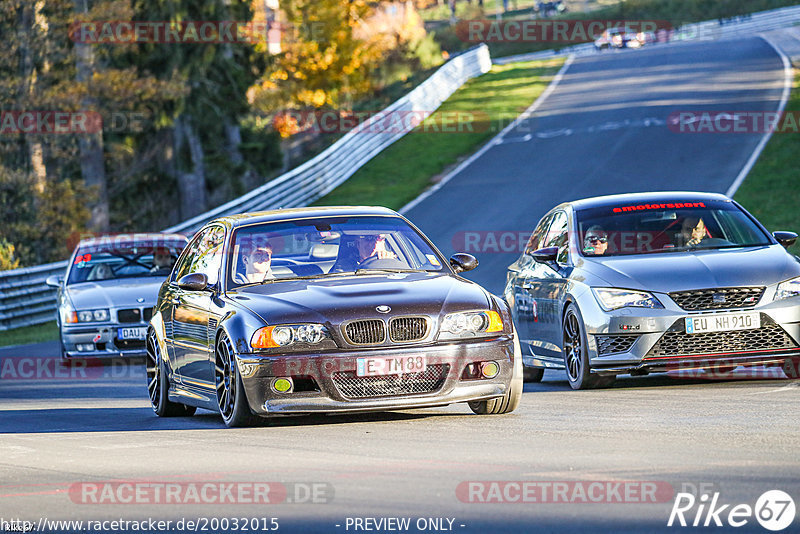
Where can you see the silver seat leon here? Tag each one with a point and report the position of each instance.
(654, 282)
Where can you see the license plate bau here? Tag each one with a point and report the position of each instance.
(139, 332)
(390, 366)
(724, 322)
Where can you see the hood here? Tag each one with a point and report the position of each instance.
(338, 299)
(681, 271)
(121, 293)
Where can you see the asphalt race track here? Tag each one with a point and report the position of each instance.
(69, 429)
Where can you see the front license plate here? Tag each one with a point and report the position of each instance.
(390, 366)
(139, 332)
(723, 322)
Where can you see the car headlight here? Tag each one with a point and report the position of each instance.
(789, 288)
(84, 316)
(613, 299)
(470, 324)
(270, 337)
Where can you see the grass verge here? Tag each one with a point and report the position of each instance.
(401, 172)
(29, 334)
(770, 190)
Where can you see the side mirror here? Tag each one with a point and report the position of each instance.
(54, 281)
(787, 239)
(193, 282)
(544, 255)
(462, 262)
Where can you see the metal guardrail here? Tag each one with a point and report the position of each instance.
(710, 30)
(26, 300)
(24, 297)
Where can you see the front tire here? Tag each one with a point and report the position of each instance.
(508, 402)
(158, 383)
(231, 398)
(576, 356)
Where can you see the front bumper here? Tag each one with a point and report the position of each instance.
(326, 370)
(654, 340)
(101, 341)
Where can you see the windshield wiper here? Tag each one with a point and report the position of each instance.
(326, 275)
(733, 245)
(387, 270)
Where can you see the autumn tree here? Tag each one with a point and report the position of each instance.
(323, 62)
(337, 52)
(201, 136)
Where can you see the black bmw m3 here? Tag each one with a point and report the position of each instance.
(324, 310)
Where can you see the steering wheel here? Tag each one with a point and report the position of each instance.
(374, 262)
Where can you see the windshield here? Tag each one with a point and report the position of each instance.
(95, 262)
(666, 226)
(327, 247)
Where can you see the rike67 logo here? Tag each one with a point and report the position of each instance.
(774, 510)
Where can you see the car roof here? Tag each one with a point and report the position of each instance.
(643, 198)
(305, 213)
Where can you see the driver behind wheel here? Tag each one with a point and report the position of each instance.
(354, 250)
(162, 261)
(370, 246)
(693, 232)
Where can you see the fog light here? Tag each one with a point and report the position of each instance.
(489, 369)
(85, 347)
(282, 385)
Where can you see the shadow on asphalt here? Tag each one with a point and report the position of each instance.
(55, 420)
(738, 378)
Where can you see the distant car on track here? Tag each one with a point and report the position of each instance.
(106, 298)
(623, 38)
(325, 310)
(652, 282)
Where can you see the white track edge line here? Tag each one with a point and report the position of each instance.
(787, 87)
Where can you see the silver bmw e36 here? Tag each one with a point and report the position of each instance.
(107, 295)
(653, 282)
